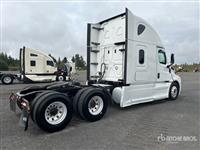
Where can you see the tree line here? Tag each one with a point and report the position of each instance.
(8, 62)
(195, 67)
(77, 59)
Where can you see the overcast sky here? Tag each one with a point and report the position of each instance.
(60, 28)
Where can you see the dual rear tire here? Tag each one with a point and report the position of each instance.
(90, 103)
(52, 111)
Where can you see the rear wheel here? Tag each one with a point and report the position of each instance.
(52, 112)
(93, 104)
(7, 79)
(77, 98)
(34, 101)
(55, 112)
(173, 91)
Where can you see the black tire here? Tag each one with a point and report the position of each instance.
(45, 101)
(61, 78)
(173, 91)
(7, 79)
(83, 103)
(34, 101)
(76, 100)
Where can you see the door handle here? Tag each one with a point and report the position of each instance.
(158, 75)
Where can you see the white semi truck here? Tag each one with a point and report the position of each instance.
(36, 66)
(126, 63)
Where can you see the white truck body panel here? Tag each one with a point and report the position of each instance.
(114, 31)
(135, 94)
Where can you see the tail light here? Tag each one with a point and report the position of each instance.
(25, 104)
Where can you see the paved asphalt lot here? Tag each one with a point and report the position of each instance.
(137, 127)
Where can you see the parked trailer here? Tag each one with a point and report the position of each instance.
(126, 63)
(36, 66)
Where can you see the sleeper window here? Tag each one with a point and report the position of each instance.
(33, 55)
(140, 29)
(162, 57)
(32, 63)
(141, 56)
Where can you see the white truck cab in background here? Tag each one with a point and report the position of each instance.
(125, 50)
(36, 66)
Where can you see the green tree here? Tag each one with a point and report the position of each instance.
(8, 62)
(73, 59)
(79, 61)
(3, 65)
(64, 60)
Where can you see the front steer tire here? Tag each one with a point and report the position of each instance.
(174, 91)
(7, 79)
(87, 102)
(47, 101)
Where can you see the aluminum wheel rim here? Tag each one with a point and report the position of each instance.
(95, 105)
(60, 78)
(55, 113)
(174, 91)
(7, 79)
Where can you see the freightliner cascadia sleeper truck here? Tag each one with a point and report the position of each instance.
(126, 63)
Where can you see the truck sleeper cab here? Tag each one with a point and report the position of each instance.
(126, 63)
(127, 51)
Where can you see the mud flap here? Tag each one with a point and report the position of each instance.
(12, 103)
(23, 122)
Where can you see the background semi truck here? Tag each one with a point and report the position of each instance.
(36, 66)
(126, 63)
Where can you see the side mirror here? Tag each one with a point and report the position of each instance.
(172, 59)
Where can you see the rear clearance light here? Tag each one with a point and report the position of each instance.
(14, 97)
(25, 104)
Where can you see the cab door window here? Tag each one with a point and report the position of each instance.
(162, 57)
(141, 56)
(50, 63)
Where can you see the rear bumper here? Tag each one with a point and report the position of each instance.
(17, 101)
